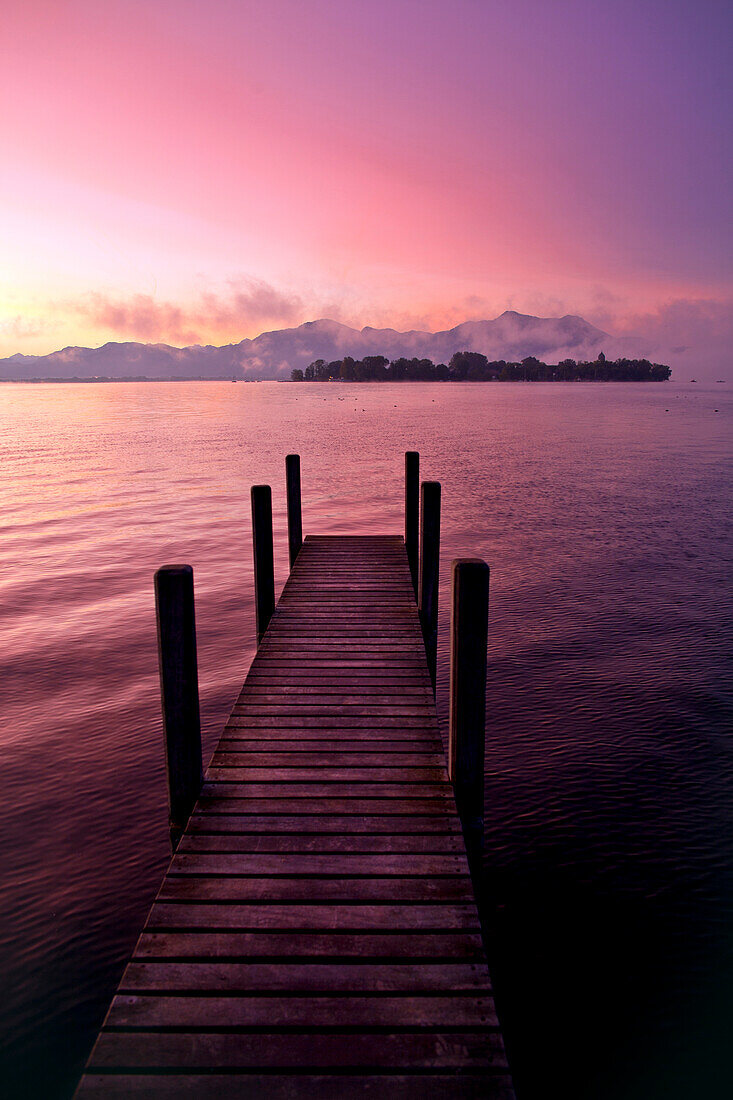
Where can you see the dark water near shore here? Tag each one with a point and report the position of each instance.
(604, 512)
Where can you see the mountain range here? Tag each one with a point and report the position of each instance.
(512, 336)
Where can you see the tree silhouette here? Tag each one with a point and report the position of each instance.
(472, 366)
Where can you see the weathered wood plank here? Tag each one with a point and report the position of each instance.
(230, 770)
(312, 709)
(233, 802)
(323, 790)
(228, 802)
(325, 615)
(335, 721)
(235, 821)
(322, 680)
(199, 1050)
(326, 625)
(418, 749)
(382, 740)
(313, 698)
(305, 977)
(150, 1010)
(377, 917)
(338, 863)
(381, 650)
(326, 672)
(300, 610)
(276, 889)
(382, 641)
(333, 945)
(235, 1086)
(231, 841)
(231, 755)
(339, 661)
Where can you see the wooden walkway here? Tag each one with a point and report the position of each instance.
(316, 934)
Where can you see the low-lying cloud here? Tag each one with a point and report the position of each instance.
(140, 317)
(251, 303)
(684, 322)
(213, 315)
(22, 328)
(691, 334)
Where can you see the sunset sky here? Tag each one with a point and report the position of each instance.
(189, 171)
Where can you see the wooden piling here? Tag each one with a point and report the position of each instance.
(428, 571)
(412, 512)
(263, 557)
(179, 692)
(295, 520)
(469, 634)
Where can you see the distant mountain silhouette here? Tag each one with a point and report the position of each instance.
(512, 336)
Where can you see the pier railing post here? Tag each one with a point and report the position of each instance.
(263, 557)
(179, 692)
(295, 520)
(412, 512)
(429, 571)
(467, 732)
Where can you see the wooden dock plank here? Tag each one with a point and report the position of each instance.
(314, 945)
(323, 796)
(304, 977)
(232, 841)
(276, 888)
(300, 842)
(236, 823)
(198, 1050)
(343, 1086)
(171, 1010)
(341, 864)
(316, 935)
(231, 754)
(314, 916)
(230, 770)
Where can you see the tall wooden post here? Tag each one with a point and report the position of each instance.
(429, 570)
(412, 512)
(263, 557)
(467, 733)
(295, 520)
(179, 692)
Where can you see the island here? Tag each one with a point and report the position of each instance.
(472, 366)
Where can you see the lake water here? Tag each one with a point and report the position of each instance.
(604, 512)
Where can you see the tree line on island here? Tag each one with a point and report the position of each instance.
(472, 366)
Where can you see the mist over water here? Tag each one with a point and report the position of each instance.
(604, 512)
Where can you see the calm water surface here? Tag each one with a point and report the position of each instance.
(604, 514)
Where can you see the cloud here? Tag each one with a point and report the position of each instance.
(250, 301)
(684, 322)
(21, 328)
(434, 318)
(693, 335)
(213, 315)
(141, 317)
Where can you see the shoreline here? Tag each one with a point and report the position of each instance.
(105, 380)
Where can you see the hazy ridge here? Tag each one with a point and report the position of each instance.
(511, 336)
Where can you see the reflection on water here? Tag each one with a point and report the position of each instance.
(603, 512)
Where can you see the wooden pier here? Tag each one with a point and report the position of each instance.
(316, 934)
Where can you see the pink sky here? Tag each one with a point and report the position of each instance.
(190, 171)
